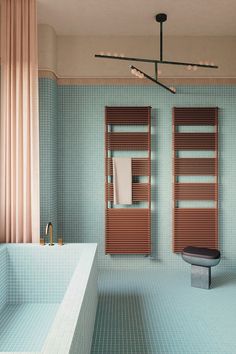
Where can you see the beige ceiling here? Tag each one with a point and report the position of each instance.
(136, 17)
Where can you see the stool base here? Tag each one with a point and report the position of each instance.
(200, 277)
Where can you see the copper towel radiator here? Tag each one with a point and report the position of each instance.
(128, 229)
(195, 226)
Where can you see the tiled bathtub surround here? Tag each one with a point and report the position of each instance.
(80, 164)
(39, 274)
(43, 283)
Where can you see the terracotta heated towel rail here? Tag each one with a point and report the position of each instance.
(128, 229)
(195, 226)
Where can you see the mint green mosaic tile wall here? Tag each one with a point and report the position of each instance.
(80, 165)
(3, 276)
(48, 107)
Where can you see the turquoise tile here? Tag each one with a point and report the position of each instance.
(3, 276)
(33, 281)
(24, 327)
(72, 163)
(158, 312)
(48, 112)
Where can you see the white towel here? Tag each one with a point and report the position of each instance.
(122, 180)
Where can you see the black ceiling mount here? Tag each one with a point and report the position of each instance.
(160, 18)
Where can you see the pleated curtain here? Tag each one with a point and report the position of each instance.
(19, 123)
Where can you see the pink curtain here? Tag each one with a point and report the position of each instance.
(19, 123)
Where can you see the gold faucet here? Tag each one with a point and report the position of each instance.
(49, 228)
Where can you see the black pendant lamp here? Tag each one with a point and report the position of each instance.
(160, 18)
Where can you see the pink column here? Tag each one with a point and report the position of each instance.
(19, 123)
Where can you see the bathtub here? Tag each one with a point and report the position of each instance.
(48, 298)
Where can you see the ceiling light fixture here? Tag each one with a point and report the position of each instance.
(160, 18)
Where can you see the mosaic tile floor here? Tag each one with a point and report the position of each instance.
(24, 327)
(157, 312)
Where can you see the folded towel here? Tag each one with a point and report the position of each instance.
(122, 180)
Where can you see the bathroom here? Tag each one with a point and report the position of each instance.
(130, 303)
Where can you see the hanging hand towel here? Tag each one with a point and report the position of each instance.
(122, 180)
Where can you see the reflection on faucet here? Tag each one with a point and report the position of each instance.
(49, 228)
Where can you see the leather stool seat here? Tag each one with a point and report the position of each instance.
(205, 257)
(201, 260)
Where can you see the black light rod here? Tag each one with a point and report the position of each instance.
(161, 42)
(144, 60)
(186, 64)
(126, 58)
(156, 71)
(151, 78)
(161, 18)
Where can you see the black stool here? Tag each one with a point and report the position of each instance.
(201, 260)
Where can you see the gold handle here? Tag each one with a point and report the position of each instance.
(60, 241)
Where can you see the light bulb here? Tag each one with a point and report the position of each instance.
(212, 64)
(194, 68)
(108, 54)
(172, 88)
(133, 71)
(189, 67)
(122, 55)
(115, 55)
(101, 53)
(201, 62)
(206, 63)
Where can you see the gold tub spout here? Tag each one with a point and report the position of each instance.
(49, 228)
